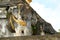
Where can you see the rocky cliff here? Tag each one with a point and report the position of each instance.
(36, 21)
(38, 24)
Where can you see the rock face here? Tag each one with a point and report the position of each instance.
(36, 20)
(38, 24)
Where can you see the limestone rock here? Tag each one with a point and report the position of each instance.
(27, 12)
(30, 15)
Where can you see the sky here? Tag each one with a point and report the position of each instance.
(49, 10)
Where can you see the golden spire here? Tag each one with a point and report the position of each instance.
(28, 1)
